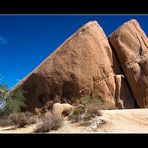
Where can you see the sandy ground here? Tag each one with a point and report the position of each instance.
(117, 121)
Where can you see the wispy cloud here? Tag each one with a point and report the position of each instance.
(3, 40)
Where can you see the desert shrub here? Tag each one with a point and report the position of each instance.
(18, 120)
(11, 102)
(3, 92)
(22, 119)
(11, 105)
(15, 101)
(77, 114)
(91, 108)
(49, 122)
(5, 122)
(2, 113)
(84, 114)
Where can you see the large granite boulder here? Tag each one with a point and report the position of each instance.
(83, 64)
(131, 45)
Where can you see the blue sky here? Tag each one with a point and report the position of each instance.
(26, 40)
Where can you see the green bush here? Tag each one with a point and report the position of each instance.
(91, 108)
(3, 92)
(76, 116)
(11, 102)
(96, 101)
(15, 101)
(11, 106)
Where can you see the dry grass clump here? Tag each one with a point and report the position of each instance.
(86, 111)
(49, 122)
(18, 120)
(22, 119)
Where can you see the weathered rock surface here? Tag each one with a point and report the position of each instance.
(131, 45)
(83, 64)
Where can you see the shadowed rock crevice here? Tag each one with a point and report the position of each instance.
(122, 85)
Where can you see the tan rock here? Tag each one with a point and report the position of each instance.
(83, 64)
(64, 108)
(131, 45)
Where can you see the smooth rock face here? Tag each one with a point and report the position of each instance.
(131, 45)
(83, 64)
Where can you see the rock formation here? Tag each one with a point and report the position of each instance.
(86, 64)
(131, 45)
(62, 108)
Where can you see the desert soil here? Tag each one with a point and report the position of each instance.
(117, 121)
